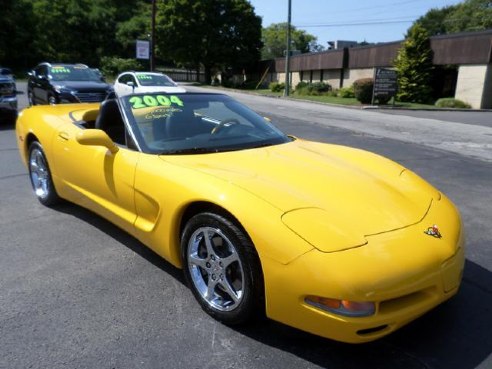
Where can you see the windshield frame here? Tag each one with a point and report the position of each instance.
(126, 109)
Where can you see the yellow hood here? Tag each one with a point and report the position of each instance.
(362, 193)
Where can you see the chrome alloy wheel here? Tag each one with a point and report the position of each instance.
(215, 268)
(40, 175)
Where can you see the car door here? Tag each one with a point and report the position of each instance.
(37, 85)
(95, 178)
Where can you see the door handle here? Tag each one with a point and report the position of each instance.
(63, 135)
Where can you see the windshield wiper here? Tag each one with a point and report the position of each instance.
(191, 150)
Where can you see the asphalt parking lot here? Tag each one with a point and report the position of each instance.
(77, 292)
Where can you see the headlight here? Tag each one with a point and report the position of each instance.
(342, 307)
(62, 89)
(8, 89)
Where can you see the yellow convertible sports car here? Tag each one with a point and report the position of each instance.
(332, 240)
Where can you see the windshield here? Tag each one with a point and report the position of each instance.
(196, 123)
(73, 73)
(147, 79)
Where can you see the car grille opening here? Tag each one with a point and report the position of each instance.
(415, 298)
(91, 96)
(367, 331)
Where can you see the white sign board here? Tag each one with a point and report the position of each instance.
(143, 49)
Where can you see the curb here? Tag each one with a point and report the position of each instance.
(360, 107)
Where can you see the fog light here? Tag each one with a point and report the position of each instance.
(342, 307)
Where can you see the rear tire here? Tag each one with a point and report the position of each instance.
(222, 268)
(30, 98)
(40, 175)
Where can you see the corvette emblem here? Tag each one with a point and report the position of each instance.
(433, 231)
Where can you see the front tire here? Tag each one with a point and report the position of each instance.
(52, 100)
(40, 175)
(222, 268)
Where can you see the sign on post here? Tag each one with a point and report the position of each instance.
(385, 84)
(143, 49)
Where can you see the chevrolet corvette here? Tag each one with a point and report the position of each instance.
(332, 240)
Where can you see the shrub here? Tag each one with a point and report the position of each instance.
(319, 88)
(249, 84)
(382, 100)
(276, 87)
(449, 102)
(363, 90)
(316, 88)
(112, 66)
(301, 84)
(346, 92)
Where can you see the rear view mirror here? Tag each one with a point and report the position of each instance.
(131, 84)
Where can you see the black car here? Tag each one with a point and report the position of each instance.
(65, 83)
(8, 96)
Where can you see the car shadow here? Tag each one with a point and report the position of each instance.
(121, 236)
(7, 125)
(454, 335)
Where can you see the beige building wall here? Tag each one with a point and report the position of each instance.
(281, 77)
(316, 75)
(351, 75)
(332, 77)
(474, 85)
(295, 79)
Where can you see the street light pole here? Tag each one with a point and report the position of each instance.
(287, 53)
(152, 37)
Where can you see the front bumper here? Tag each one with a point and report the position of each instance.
(405, 272)
(8, 104)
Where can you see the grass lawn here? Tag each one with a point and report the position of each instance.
(339, 100)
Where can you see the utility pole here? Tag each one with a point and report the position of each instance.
(287, 53)
(152, 38)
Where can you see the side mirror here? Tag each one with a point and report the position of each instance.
(131, 84)
(96, 137)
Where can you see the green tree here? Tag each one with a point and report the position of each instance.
(136, 26)
(414, 66)
(470, 15)
(213, 33)
(434, 21)
(16, 47)
(274, 39)
(73, 30)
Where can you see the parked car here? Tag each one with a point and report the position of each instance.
(144, 82)
(336, 241)
(65, 83)
(8, 95)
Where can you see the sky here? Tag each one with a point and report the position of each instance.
(352, 20)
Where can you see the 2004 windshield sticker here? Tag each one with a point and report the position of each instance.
(149, 101)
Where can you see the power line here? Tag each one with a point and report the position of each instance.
(357, 23)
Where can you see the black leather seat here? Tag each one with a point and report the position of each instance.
(180, 124)
(111, 121)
